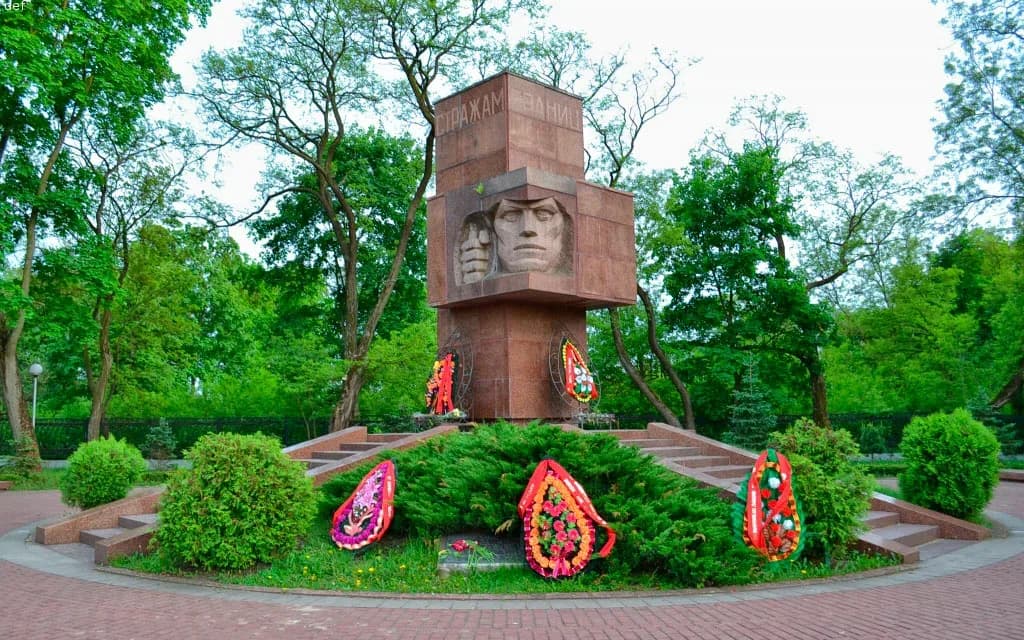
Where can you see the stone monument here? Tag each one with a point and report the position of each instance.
(519, 245)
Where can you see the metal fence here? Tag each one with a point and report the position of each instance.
(58, 438)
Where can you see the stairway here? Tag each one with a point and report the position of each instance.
(334, 453)
(131, 535)
(891, 526)
(345, 450)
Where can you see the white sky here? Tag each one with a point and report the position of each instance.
(868, 74)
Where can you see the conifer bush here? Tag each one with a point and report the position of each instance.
(833, 492)
(952, 463)
(160, 443)
(243, 502)
(751, 418)
(664, 523)
(101, 471)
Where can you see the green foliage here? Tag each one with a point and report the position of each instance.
(949, 323)
(101, 471)
(750, 418)
(833, 492)
(873, 437)
(397, 370)
(952, 463)
(466, 482)
(1005, 432)
(980, 133)
(160, 443)
(243, 502)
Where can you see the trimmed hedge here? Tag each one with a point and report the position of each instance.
(101, 471)
(242, 502)
(952, 463)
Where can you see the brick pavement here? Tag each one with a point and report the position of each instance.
(974, 593)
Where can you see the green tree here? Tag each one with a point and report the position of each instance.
(376, 172)
(732, 289)
(751, 418)
(134, 182)
(395, 380)
(981, 135)
(845, 218)
(63, 64)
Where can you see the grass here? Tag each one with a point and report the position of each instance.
(49, 479)
(410, 566)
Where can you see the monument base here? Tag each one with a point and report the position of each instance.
(512, 345)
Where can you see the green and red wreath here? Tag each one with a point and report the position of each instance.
(768, 517)
(579, 381)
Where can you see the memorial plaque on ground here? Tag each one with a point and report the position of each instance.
(484, 552)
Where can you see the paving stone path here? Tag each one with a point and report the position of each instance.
(973, 593)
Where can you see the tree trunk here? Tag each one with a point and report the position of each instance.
(819, 395)
(666, 364)
(635, 376)
(22, 430)
(101, 383)
(348, 403)
(1013, 386)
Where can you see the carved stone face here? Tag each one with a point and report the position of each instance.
(529, 235)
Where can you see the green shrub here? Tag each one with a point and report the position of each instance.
(952, 463)
(664, 523)
(242, 502)
(833, 492)
(873, 437)
(101, 471)
(1005, 431)
(160, 442)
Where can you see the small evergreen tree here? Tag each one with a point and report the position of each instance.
(751, 418)
(160, 443)
(1004, 430)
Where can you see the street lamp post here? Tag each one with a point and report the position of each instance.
(36, 370)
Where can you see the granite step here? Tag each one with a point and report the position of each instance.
(647, 443)
(727, 472)
(124, 523)
(312, 463)
(700, 462)
(358, 446)
(672, 452)
(382, 438)
(878, 519)
(92, 536)
(137, 520)
(333, 455)
(911, 535)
